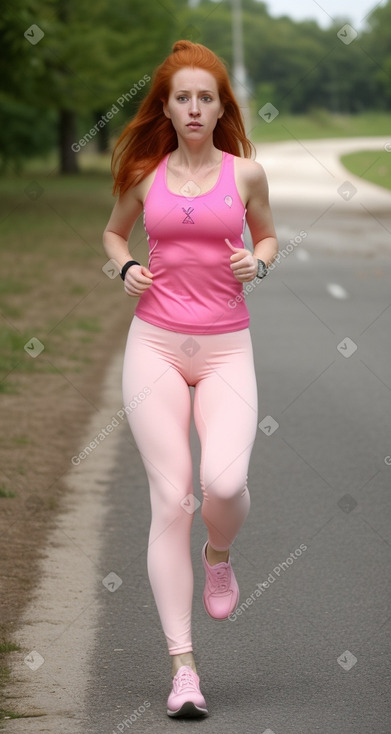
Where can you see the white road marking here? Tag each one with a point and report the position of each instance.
(302, 255)
(337, 291)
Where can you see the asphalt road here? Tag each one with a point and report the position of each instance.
(311, 652)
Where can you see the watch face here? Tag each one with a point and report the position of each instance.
(262, 269)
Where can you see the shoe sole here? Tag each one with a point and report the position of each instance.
(188, 710)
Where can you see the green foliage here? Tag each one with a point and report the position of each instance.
(92, 54)
(376, 44)
(24, 132)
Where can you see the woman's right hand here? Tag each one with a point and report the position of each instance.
(137, 279)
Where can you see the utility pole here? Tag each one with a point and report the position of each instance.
(239, 69)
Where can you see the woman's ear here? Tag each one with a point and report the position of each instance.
(221, 113)
(165, 109)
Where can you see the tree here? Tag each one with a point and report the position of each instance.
(79, 58)
(377, 45)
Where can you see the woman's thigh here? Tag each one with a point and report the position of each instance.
(160, 420)
(225, 411)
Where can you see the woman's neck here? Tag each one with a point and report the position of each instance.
(195, 158)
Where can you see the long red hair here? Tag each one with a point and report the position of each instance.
(150, 134)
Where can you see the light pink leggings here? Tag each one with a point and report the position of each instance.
(159, 367)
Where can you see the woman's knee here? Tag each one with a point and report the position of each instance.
(228, 486)
(171, 502)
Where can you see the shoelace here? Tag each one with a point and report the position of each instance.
(185, 681)
(220, 580)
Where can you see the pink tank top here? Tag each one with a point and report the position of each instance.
(194, 290)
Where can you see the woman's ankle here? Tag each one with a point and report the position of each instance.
(214, 556)
(186, 658)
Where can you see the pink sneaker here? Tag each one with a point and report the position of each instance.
(221, 592)
(186, 698)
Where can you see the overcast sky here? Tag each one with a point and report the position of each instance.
(323, 11)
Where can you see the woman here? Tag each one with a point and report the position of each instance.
(180, 160)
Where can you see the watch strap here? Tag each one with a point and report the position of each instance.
(126, 267)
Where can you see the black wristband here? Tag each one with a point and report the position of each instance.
(126, 267)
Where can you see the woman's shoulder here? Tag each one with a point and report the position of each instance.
(250, 177)
(146, 180)
(250, 169)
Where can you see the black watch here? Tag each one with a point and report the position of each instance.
(126, 267)
(262, 269)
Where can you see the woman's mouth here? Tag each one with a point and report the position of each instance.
(194, 124)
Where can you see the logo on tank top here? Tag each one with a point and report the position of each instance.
(188, 219)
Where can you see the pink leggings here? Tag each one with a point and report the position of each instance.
(159, 367)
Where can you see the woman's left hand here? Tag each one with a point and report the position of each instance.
(243, 264)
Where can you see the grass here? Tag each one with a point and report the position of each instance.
(373, 165)
(320, 124)
(51, 226)
(6, 492)
(5, 648)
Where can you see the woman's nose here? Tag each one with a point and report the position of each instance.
(194, 106)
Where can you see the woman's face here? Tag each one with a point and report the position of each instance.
(194, 104)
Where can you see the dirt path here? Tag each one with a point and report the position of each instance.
(58, 627)
(310, 171)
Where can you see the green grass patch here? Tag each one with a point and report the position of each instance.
(6, 493)
(21, 440)
(372, 165)
(320, 124)
(56, 217)
(13, 354)
(5, 648)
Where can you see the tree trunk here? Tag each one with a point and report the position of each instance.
(67, 137)
(103, 138)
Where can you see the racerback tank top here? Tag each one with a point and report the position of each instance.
(194, 290)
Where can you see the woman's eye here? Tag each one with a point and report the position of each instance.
(181, 98)
(206, 98)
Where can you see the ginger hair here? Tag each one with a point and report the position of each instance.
(149, 136)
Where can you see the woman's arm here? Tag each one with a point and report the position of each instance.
(260, 222)
(115, 242)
